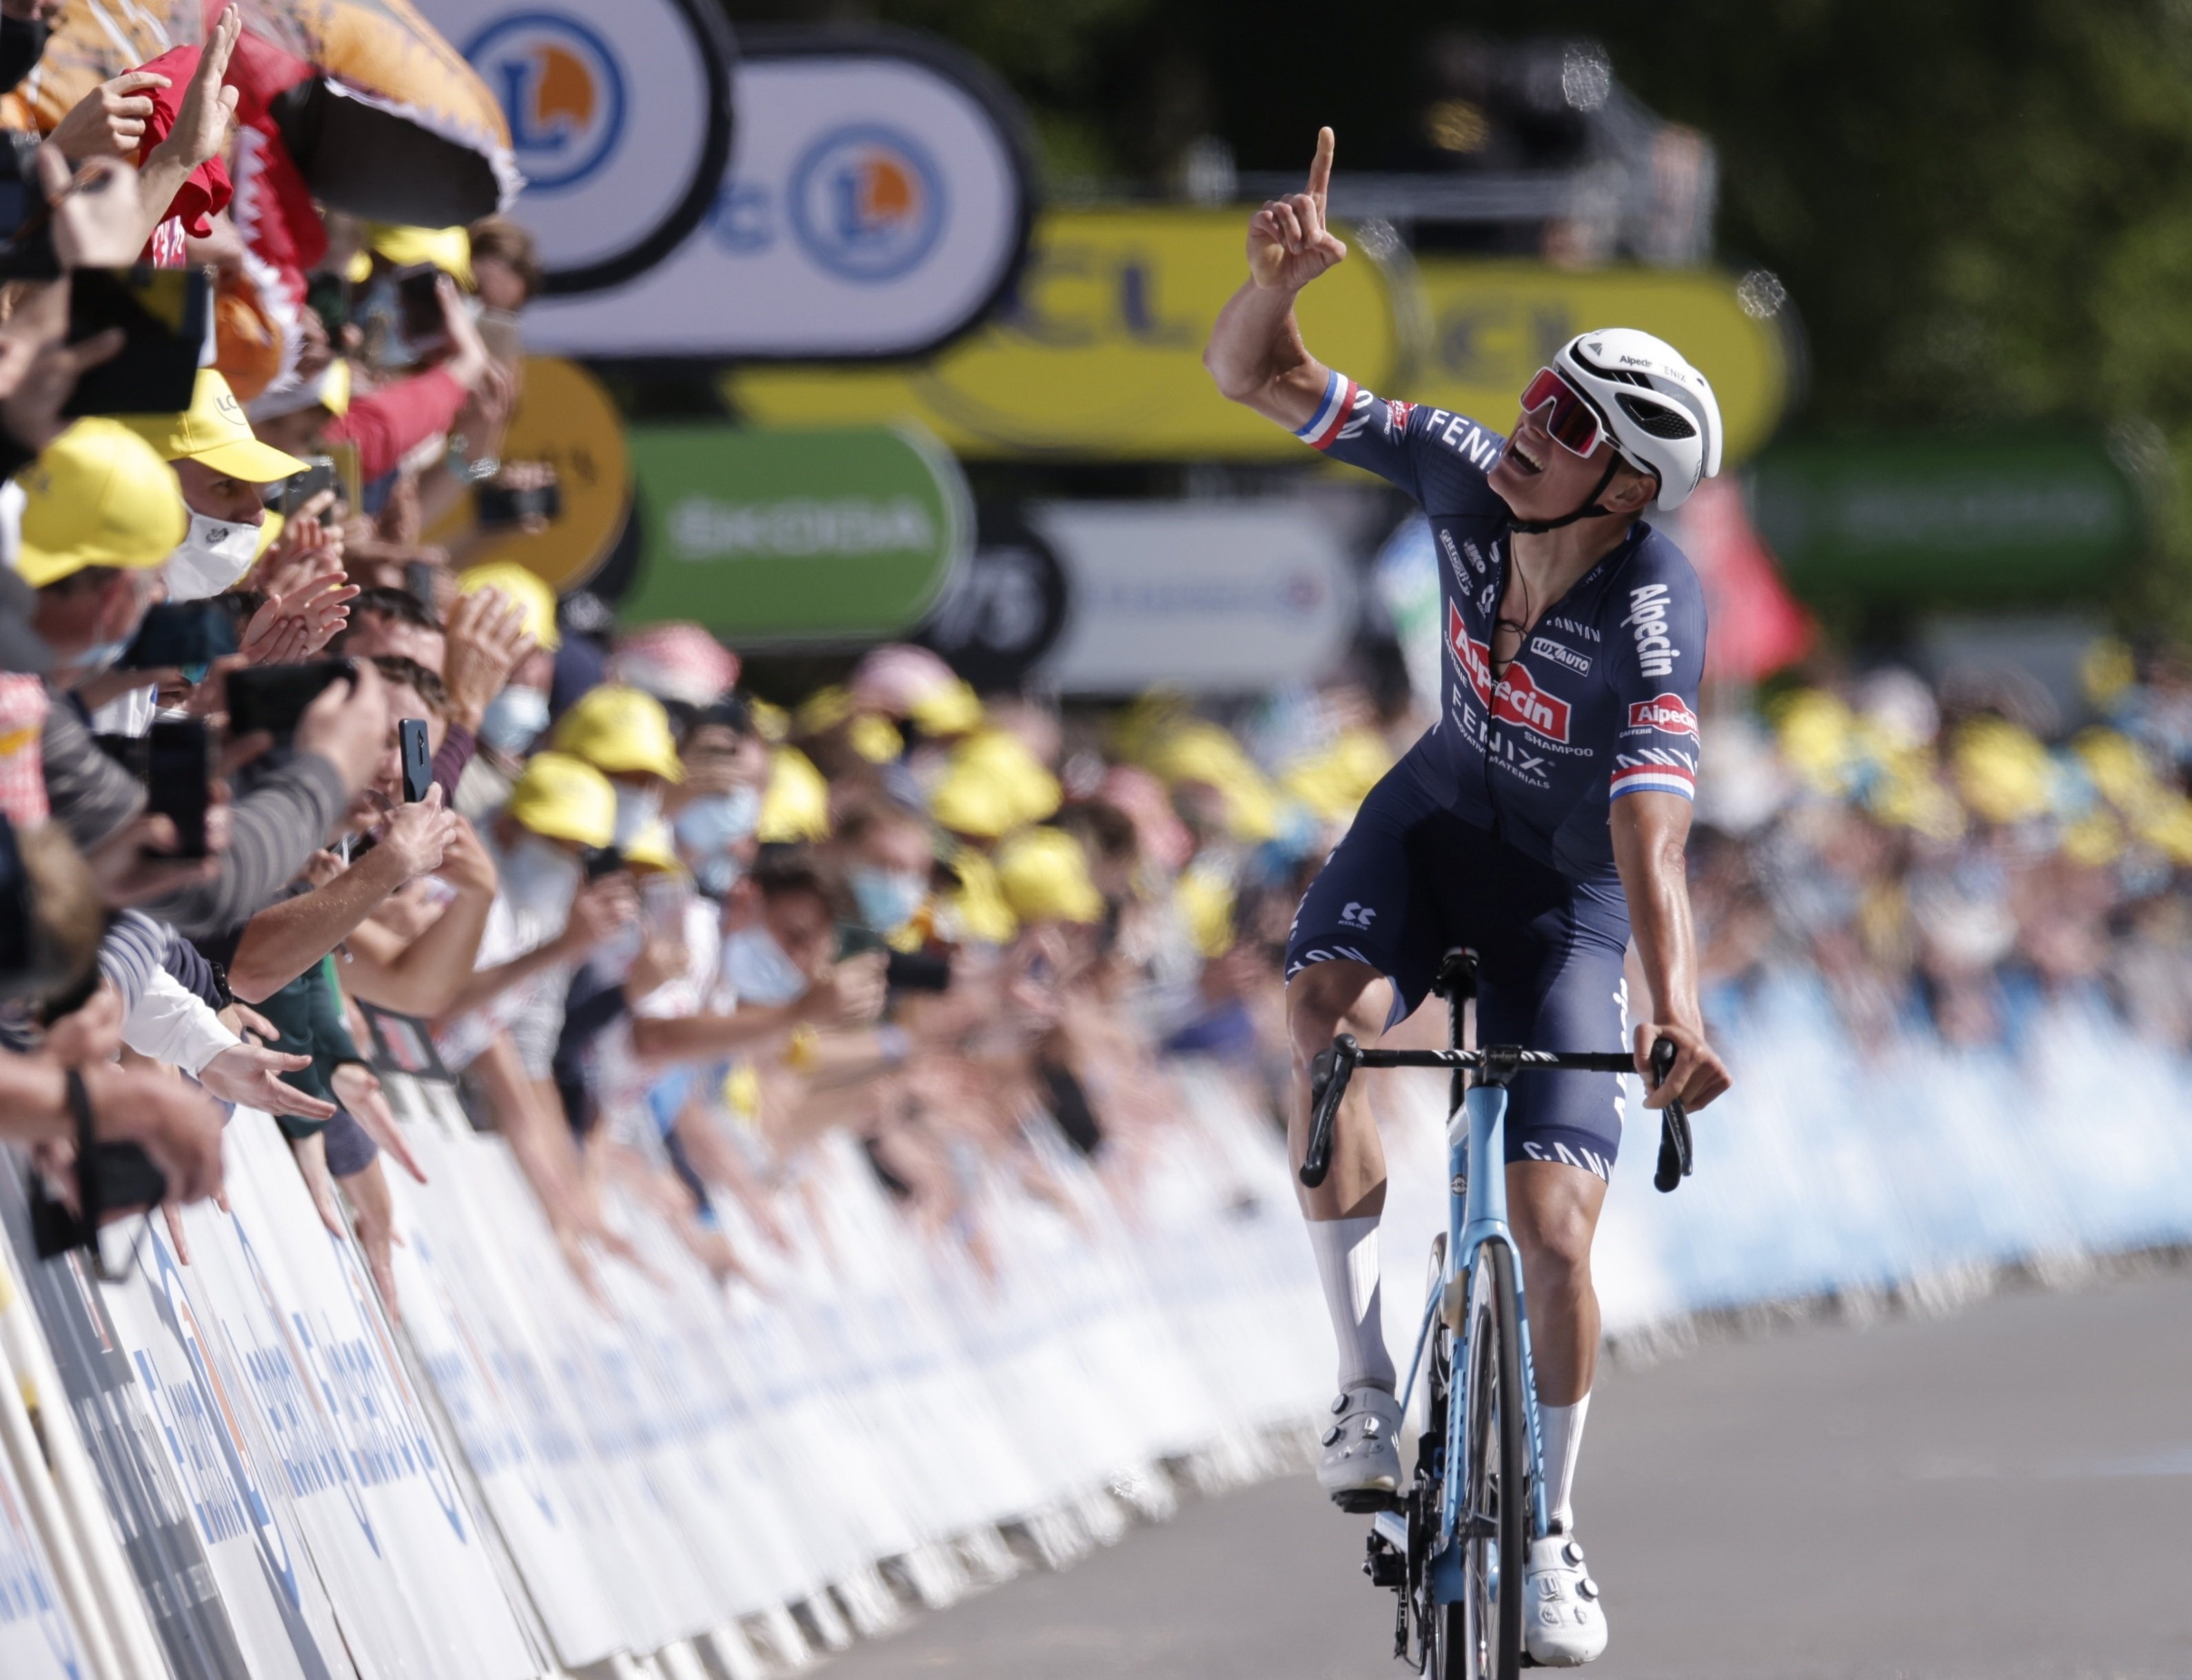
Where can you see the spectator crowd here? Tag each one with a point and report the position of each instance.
(665, 934)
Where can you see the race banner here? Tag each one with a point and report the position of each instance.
(877, 205)
(619, 119)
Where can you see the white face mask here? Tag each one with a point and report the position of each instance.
(513, 718)
(758, 970)
(636, 810)
(540, 878)
(213, 556)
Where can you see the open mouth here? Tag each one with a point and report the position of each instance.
(1525, 462)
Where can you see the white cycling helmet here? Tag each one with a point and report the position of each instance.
(1658, 410)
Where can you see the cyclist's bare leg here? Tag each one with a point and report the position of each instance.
(1553, 1209)
(1322, 1001)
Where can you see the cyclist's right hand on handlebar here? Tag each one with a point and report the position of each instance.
(1698, 1076)
(1288, 244)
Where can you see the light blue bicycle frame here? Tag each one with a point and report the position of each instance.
(1476, 1215)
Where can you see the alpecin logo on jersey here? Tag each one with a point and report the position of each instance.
(1666, 712)
(1473, 656)
(1520, 700)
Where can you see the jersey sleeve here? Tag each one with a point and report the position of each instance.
(1656, 656)
(1439, 458)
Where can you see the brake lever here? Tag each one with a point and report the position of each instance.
(1328, 1075)
(1676, 1158)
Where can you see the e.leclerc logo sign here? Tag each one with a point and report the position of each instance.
(812, 537)
(867, 202)
(562, 90)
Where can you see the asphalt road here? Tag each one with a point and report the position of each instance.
(2006, 1492)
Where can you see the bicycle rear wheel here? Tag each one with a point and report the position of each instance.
(1495, 1498)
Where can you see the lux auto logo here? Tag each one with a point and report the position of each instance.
(562, 90)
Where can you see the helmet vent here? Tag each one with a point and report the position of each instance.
(1656, 418)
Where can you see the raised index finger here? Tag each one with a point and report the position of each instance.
(1320, 168)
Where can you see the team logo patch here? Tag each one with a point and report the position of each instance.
(1666, 712)
(561, 90)
(1520, 700)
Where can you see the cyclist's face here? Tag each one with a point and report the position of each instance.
(1539, 478)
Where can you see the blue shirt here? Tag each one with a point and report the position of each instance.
(1600, 701)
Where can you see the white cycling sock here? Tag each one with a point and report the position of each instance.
(1347, 1261)
(1562, 1429)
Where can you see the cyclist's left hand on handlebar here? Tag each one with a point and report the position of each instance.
(1698, 1076)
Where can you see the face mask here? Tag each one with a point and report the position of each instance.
(634, 810)
(887, 899)
(539, 877)
(708, 828)
(103, 655)
(717, 875)
(513, 719)
(213, 556)
(758, 970)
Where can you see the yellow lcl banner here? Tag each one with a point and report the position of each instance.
(1098, 354)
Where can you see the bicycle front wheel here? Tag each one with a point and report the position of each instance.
(1495, 1499)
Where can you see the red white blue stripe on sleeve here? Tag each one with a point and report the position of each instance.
(1339, 402)
(1654, 779)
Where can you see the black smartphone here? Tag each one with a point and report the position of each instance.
(113, 1178)
(327, 295)
(273, 697)
(602, 861)
(417, 762)
(289, 495)
(133, 752)
(917, 971)
(418, 580)
(497, 508)
(26, 225)
(419, 304)
(177, 633)
(178, 780)
(164, 315)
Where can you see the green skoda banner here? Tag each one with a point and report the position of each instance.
(1924, 518)
(825, 535)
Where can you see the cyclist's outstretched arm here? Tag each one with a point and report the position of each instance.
(1651, 838)
(1256, 352)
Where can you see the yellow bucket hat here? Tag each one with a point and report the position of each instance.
(560, 797)
(651, 848)
(993, 785)
(99, 496)
(618, 729)
(1044, 873)
(213, 433)
(796, 804)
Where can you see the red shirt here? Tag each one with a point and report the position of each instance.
(206, 194)
(387, 425)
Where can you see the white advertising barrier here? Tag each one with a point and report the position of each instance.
(878, 203)
(39, 1635)
(619, 119)
(1205, 598)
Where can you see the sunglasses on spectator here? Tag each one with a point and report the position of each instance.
(1572, 422)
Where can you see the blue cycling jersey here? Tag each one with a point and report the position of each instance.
(1600, 700)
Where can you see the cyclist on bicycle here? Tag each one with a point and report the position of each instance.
(1540, 821)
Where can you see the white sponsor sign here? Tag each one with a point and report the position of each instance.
(1220, 599)
(618, 117)
(876, 204)
(38, 1641)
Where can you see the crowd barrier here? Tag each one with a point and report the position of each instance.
(238, 1466)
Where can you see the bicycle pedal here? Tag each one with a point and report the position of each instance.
(1364, 1501)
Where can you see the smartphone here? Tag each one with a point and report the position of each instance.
(327, 295)
(419, 582)
(113, 1178)
(273, 697)
(602, 861)
(417, 762)
(133, 752)
(497, 508)
(164, 315)
(26, 226)
(181, 633)
(178, 780)
(419, 304)
(289, 496)
(917, 971)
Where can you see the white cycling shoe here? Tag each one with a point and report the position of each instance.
(1563, 1622)
(1361, 1468)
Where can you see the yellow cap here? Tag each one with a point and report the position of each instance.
(565, 798)
(993, 785)
(1205, 899)
(618, 730)
(99, 495)
(651, 848)
(1044, 873)
(977, 910)
(448, 248)
(529, 591)
(213, 433)
(951, 709)
(796, 804)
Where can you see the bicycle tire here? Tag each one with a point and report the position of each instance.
(1495, 1561)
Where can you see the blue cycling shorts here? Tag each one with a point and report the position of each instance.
(1411, 881)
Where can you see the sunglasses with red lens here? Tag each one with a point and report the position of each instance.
(1573, 423)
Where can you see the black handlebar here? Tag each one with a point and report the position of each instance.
(1329, 1074)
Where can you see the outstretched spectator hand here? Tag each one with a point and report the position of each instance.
(173, 1123)
(357, 1088)
(109, 121)
(208, 106)
(603, 908)
(850, 993)
(485, 640)
(419, 836)
(250, 1074)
